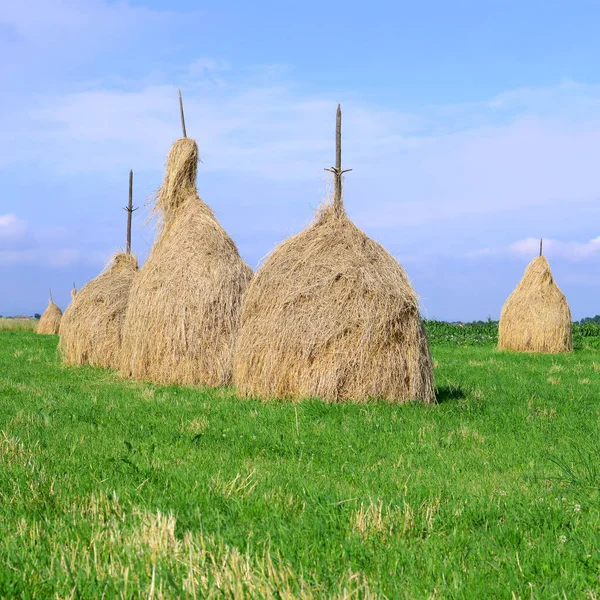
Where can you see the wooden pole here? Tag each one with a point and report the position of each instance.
(338, 205)
(182, 115)
(540, 246)
(337, 193)
(130, 210)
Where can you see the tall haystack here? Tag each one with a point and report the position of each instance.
(331, 314)
(92, 326)
(184, 307)
(536, 316)
(50, 319)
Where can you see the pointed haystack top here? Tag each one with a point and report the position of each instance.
(179, 183)
(332, 314)
(536, 316)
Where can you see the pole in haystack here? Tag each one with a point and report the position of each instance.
(130, 210)
(337, 170)
(182, 115)
(540, 246)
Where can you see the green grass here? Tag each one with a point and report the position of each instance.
(119, 489)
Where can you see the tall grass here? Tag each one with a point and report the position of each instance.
(18, 324)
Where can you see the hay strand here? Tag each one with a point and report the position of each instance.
(91, 328)
(184, 307)
(536, 316)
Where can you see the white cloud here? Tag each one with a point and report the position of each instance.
(22, 245)
(52, 257)
(434, 164)
(11, 227)
(552, 248)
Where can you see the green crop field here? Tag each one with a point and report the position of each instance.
(111, 488)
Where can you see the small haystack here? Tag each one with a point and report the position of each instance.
(331, 314)
(536, 316)
(50, 321)
(184, 307)
(92, 326)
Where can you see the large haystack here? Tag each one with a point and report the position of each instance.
(50, 321)
(184, 306)
(92, 326)
(536, 316)
(331, 314)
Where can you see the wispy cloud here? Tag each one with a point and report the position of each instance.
(11, 227)
(21, 245)
(529, 247)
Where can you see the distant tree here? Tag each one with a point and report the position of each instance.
(37, 316)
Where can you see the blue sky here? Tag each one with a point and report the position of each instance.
(473, 129)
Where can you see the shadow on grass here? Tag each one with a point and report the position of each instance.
(447, 393)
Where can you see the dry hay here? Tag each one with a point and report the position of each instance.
(50, 321)
(536, 316)
(331, 314)
(92, 326)
(184, 307)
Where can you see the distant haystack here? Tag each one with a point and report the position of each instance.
(184, 306)
(331, 314)
(92, 326)
(50, 321)
(536, 316)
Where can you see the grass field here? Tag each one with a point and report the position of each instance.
(110, 488)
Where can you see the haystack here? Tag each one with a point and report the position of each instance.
(50, 319)
(184, 306)
(536, 316)
(331, 314)
(92, 326)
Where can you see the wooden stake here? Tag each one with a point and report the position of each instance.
(182, 115)
(540, 246)
(130, 210)
(338, 206)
